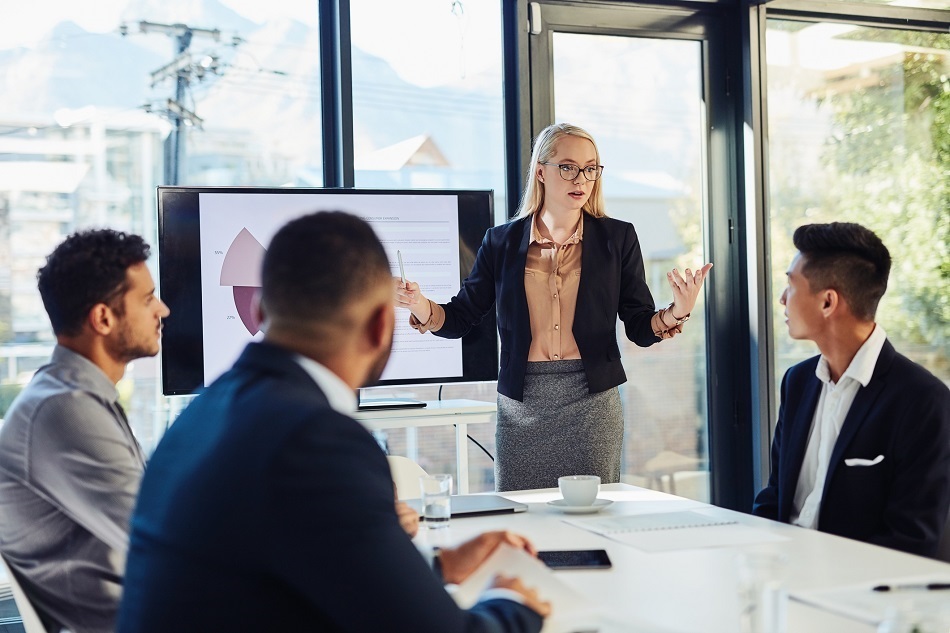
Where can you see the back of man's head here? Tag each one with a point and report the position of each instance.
(848, 258)
(87, 269)
(318, 266)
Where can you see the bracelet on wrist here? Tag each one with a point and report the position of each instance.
(678, 320)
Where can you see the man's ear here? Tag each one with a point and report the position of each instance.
(101, 319)
(830, 302)
(379, 327)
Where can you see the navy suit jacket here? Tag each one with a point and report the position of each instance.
(265, 510)
(903, 414)
(612, 283)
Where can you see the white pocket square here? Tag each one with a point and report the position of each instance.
(857, 461)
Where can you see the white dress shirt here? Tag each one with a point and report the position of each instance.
(342, 399)
(833, 406)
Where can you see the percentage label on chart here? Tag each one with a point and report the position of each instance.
(219, 252)
(230, 318)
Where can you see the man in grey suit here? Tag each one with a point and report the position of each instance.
(70, 466)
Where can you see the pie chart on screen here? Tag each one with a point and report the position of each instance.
(242, 271)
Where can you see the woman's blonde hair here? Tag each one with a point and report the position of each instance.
(544, 148)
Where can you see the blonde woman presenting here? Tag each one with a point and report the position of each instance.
(559, 275)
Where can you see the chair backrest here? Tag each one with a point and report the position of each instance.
(406, 475)
(31, 621)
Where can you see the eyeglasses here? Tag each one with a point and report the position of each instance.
(570, 172)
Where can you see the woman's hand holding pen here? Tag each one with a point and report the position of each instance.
(686, 289)
(408, 295)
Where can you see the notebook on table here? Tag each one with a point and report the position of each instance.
(474, 505)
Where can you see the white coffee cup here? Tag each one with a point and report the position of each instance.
(579, 490)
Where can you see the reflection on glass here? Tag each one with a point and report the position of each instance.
(85, 114)
(646, 118)
(859, 131)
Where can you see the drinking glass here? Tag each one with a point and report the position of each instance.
(436, 500)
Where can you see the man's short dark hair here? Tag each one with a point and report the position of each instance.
(848, 258)
(318, 264)
(88, 268)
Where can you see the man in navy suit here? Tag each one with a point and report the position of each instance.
(266, 507)
(862, 443)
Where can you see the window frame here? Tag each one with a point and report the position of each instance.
(759, 228)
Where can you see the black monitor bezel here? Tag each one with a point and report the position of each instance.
(179, 273)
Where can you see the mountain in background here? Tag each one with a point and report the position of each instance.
(73, 68)
(267, 92)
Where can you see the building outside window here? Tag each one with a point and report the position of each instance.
(88, 92)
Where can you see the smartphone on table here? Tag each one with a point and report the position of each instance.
(575, 559)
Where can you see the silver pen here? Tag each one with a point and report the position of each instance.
(402, 269)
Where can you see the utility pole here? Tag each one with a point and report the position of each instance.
(182, 69)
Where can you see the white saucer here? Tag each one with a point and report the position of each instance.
(597, 506)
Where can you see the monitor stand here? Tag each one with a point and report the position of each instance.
(381, 404)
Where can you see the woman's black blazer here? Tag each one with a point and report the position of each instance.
(612, 284)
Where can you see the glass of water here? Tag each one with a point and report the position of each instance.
(436, 500)
(761, 591)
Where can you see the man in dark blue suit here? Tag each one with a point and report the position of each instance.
(862, 444)
(266, 507)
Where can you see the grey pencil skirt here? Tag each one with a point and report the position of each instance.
(558, 429)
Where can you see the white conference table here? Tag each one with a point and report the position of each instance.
(692, 590)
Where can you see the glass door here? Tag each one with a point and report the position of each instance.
(642, 99)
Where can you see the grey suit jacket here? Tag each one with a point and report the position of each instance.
(70, 470)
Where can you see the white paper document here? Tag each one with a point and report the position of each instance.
(861, 602)
(669, 531)
(571, 611)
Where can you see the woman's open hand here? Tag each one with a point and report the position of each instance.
(686, 288)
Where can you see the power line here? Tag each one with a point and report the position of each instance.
(184, 70)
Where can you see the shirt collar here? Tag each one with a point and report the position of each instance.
(341, 398)
(862, 365)
(536, 237)
(85, 372)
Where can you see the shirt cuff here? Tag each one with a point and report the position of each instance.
(427, 552)
(500, 593)
(435, 322)
(660, 329)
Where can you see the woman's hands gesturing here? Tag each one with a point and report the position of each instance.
(686, 289)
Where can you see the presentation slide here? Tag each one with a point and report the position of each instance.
(235, 232)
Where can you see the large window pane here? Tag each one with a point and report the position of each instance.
(427, 113)
(88, 90)
(859, 131)
(647, 120)
(427, 110)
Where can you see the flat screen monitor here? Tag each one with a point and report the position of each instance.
(212, 240)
